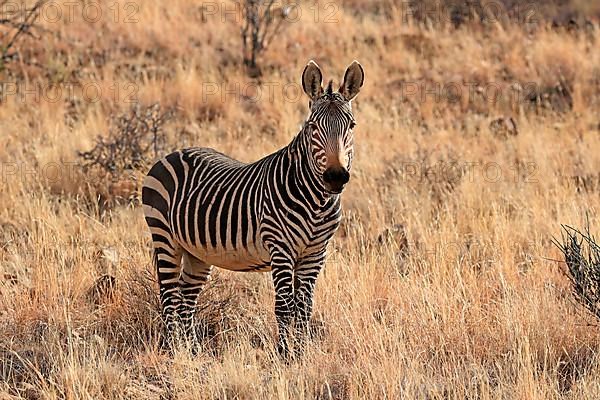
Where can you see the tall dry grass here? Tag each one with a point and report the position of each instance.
(474, 306)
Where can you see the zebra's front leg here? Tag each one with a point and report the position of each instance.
(284, 299)
(194, 275)
(305, 278)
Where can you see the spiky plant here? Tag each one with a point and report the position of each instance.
(582, 258)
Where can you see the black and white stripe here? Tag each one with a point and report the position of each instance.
(276, 214)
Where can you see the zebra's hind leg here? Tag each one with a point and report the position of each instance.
(167, 258)
(193, 277)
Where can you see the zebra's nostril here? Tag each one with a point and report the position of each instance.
(328, 176)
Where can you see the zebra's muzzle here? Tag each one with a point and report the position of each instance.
(335, 179)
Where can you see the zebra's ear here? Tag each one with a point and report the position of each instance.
(353, 81)
(312, 80)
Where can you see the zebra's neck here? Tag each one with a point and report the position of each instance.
(303, 173)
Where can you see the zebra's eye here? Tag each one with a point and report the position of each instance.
(352, 125)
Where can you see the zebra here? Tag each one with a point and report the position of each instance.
(277, 214)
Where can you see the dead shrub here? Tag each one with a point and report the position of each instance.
(262, 22)
(118, 162)
(582, 258)
(15, 24)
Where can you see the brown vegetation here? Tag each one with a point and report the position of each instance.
(441, 283)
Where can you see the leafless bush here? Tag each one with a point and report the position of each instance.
(134, 141)
(263, 20)
(15, 24)
(582, 257)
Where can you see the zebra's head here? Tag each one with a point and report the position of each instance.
(330, 124)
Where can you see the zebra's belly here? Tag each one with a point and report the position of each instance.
(247, 260)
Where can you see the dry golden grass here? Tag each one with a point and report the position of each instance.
(475, 307)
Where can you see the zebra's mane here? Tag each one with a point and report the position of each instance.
(329, 90)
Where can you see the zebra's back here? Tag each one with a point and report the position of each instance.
(210, 204)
